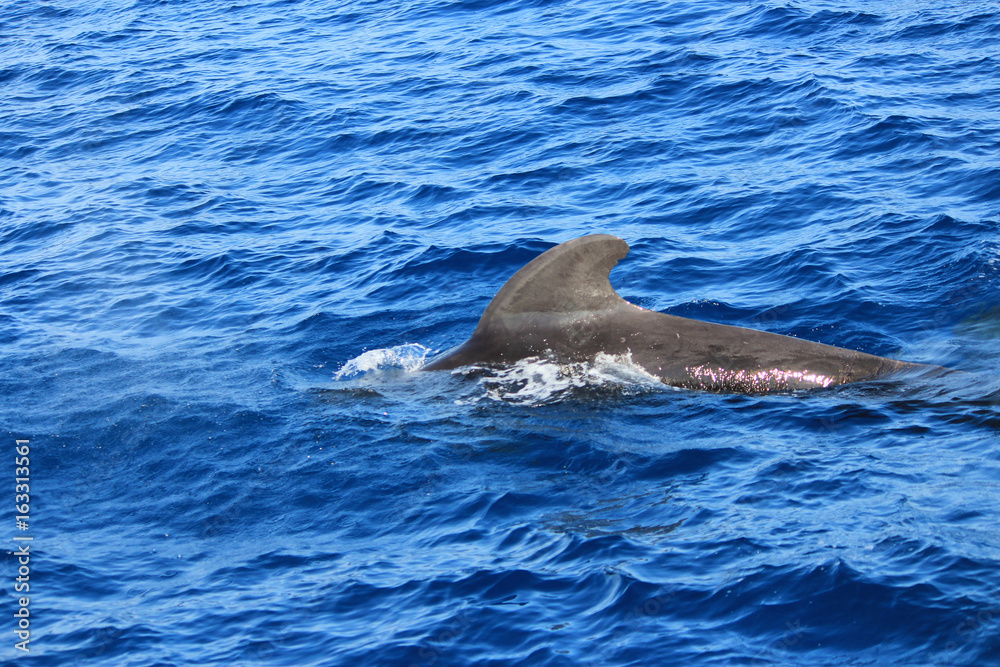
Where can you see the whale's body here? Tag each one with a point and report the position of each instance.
(561, 305)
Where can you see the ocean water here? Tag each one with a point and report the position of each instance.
(231, 232)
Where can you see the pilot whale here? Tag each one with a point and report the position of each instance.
(561, 305)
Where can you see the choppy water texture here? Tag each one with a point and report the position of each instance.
(231, 232)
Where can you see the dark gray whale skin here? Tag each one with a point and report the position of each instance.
(561, 305)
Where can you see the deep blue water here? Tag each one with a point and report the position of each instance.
(231, 232)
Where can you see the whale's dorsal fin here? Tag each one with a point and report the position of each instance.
(571, 277)
(561, 306)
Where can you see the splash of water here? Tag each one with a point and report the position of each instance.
(407, 357)
(538, 380)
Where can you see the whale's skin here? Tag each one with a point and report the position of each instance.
(561, 306)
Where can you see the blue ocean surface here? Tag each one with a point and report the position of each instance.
(231, 233)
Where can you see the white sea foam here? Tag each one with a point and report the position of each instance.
(537, 380)
(407, 357)
(532, 381)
